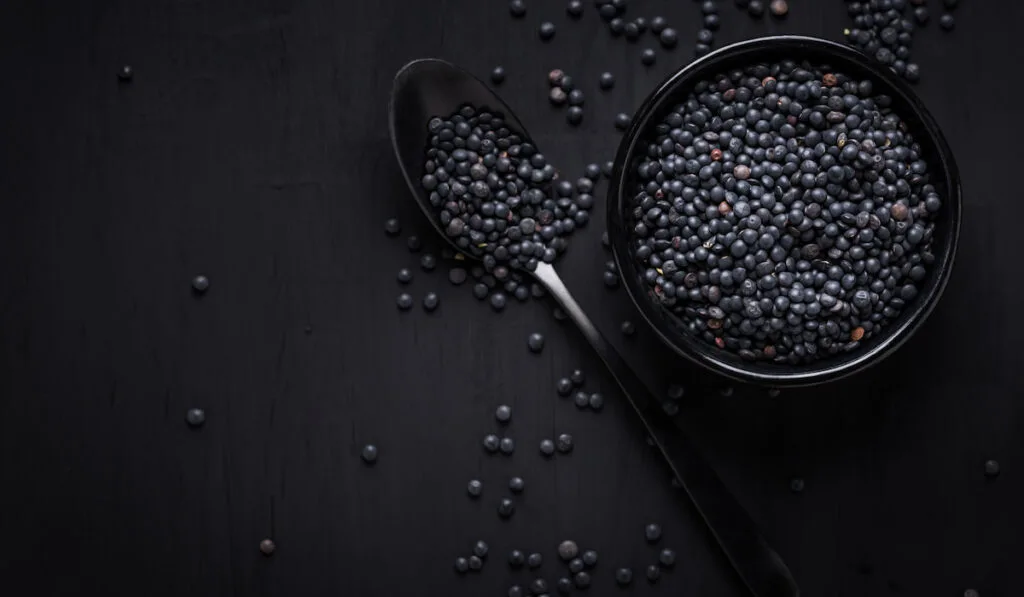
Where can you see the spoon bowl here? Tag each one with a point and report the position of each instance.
(427, 88)
(423, 89)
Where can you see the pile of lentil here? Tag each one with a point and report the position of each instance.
(497, 196)
(783, 212)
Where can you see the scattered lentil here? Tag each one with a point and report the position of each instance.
(404, 301)
(568, 550)
(547, 447)
(653, 573)
(200, 284)
(534, 560)
(564, 443)
(461, 565)
(267, 547)
(503, 413)
(991, 468)
(516, 484)
(652, 533)
(369, 454)
(475, 488)
(507, 445)
(431, 301)
(546, 30)
(392, 227)
(491, 443)
(195, 417)
(667, 558)
(623, 576)
(535, 342)
(506, 508)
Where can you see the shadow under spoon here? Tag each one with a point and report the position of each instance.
(427, 88)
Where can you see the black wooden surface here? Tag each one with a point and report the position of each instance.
(252, 147)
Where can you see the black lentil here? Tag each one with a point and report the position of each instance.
(675, 392)
(658, 24)
(461, 565)
(497, 301)
(627, 327)
(755, 8)
(200, 284)
(653, 573)
(647, 57)
(564, 586)
(574, 116)
(668, 37)
(516, 559)
(267, 547)
(475, 488)
(779, 8)
(564, 443)
(503, 413)
(126, 73)
(476, 563)
(609, 167)
(546, 30)
(195, 417)
(576, 565)
(392, 227)
(506, 508)
(428, 262)
(991, 468)
(947, 22)
(516, 484)
(404, 276)
(507, 445)
(568, 550)
(623, 576)
(480, 291)
(491, 443)
(480, 549)
(593, 171)
(622, 121)
(535, 342)
(590, 558)
(547, 447)
(557, 96)
(431, 301)
(652, 533)
(517, 8)
(950, 4)
(581, 580)
(414, 244)
(667, 558)
(369, 453)
(783, 233)
(498, 75)
(564, 386)
(538, 586)
(581, 399)
(456, 276)
(796, 485)
(515, 591)
(575, 8)
(596, 401)
(534, 560)
(404, 301)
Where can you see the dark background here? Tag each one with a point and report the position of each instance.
(252, 147)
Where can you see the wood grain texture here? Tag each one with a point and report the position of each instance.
(252, 147)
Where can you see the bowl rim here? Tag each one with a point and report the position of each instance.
(827, 369)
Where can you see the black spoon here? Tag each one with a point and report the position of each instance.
(427, 88)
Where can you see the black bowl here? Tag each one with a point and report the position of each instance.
(926, 132)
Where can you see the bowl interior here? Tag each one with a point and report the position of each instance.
(942, 170)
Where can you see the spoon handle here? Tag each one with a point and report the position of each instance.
(760, 568)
